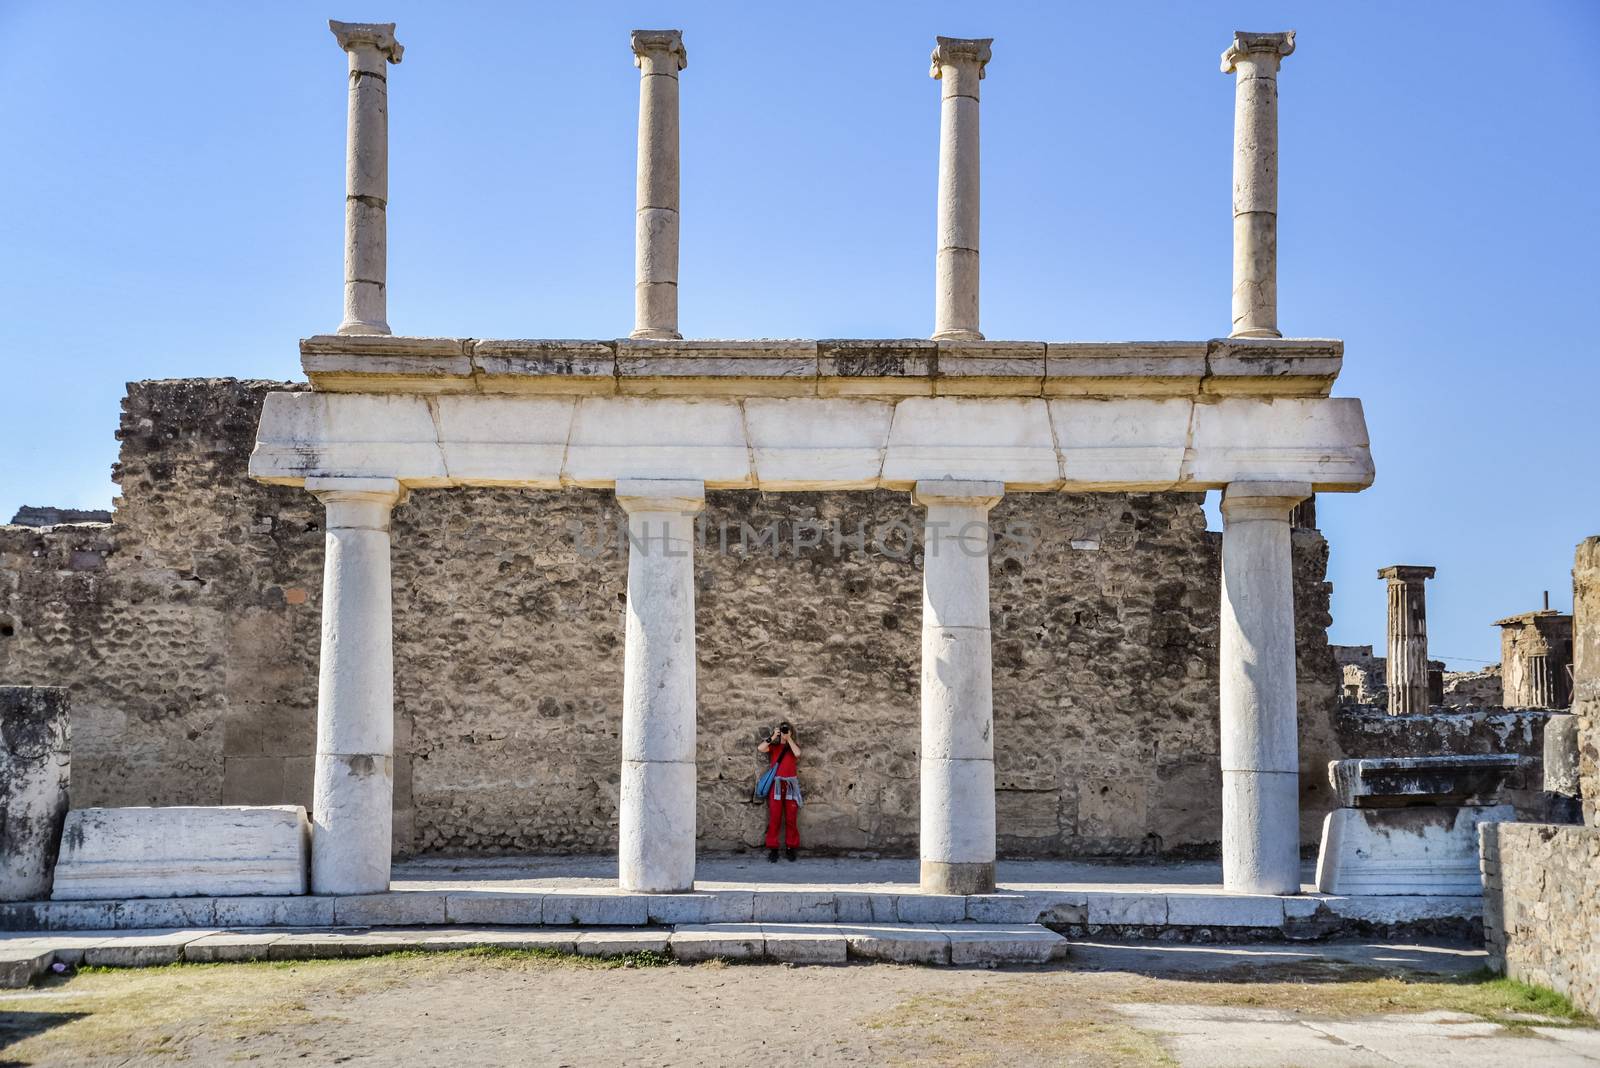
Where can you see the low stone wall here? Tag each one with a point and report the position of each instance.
(1541, 906)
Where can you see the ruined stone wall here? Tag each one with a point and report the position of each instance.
(188, 632)
(1541, 906)
(1586, 672)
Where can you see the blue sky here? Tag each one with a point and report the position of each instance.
(171, 205)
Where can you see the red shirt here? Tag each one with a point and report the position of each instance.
(783, 756)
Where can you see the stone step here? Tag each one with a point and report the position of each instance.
(24, 957)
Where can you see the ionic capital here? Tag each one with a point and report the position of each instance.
(1408, 574)
(1244, 44)
(375, 35)
(953, 51)
(659, 45)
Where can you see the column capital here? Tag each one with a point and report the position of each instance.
(950, 51)
(972, 494)
(1406, 573)
(1262, 500)
(376, 35)
(1277, 45)
(343, 490)
(658, 44)
(661, 495)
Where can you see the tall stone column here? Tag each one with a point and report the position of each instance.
(959, 66)
(353, 796)
(1260, 745)
(1254, 57)
(957, 688)
(1407, 670)
(371, 46)
(659, 55)
(656, 832)
(35, 776)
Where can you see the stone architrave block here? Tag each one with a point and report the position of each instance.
(183, 852)
(35, 768)
(1429, 849)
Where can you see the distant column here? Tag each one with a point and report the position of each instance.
(1260, 740)
(959, 65)
(656, 813)
(352, 809)
(958, 830)
(1255, 58)
(659, 55)
(1407, 670)
(371, 46)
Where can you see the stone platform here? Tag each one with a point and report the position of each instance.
(1182, 901)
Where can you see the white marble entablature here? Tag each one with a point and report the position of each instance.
(1073, 444)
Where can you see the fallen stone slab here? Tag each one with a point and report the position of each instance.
(724, 941)
(800, 943)
(183, 851)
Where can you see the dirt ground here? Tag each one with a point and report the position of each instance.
(1108, 1007)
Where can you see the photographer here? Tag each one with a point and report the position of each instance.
(783, 803)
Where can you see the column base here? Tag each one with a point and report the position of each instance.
(952, 877)
(1256, 333)
(656, 335)
(957, 335)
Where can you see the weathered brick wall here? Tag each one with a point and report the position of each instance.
(1541, 906)
(188, 631)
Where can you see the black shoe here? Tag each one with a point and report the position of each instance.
(772, 856)
(794, 855)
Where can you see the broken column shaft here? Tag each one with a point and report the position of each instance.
(371, 47)
(659, 55)
(1254, 57)
(959, 66)
(1407, 668)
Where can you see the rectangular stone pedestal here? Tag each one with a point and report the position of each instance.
(183, 852)
(1427, 849)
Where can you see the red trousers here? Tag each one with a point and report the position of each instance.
(786, 812)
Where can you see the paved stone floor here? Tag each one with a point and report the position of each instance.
(1111, 1004)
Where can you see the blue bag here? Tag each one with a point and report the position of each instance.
(764, 784)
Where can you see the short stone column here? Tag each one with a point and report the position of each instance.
(656, 831)
(659, 55)
(959, 65)
(1260, 744)
(35, 772)
(353, 796)
(1407, 666)
(1254, 57)
(371, 46)
(957, 688)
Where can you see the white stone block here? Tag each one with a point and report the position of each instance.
(995, 439)
(805, 444)
(794, 943)
(404, 908)
(658, 438)
(617, 943)
(595, 910)
(523, 908)
(728, 941)
(183, 852)
(359, 435)
(231, 946)
(1224, 910)
(141, 950)
(504, 441)
(1427, 850)
(1124, 444)
(793, 906)
(991, 943)
(1321, 440)
(931, 908)
(898, 943)
(1133, 909)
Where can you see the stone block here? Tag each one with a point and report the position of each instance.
(721, 906)
(1124, 368)
(866, 908)
(1428, 850)
(183, 852)
(1149, 909)
(596, 910)
(1005, 907)
(874, 367)
(1561, 764)
(799, 444)
(990, 943)
(319, 945)
(794, 943)
(1224, 910)
(157, 912)
(231, 946)
(397, 908)
(1007, 440)
(1389, 782)
(35, 771)
(540, 366)
(20, 967)
(931, 908)
(900, 943)
(710, 368)
(617, 943)
(793, 906)
(59, 916)
(274, 911)
(727, 941)
(515, 908)
(989, 368)
(141, 950)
